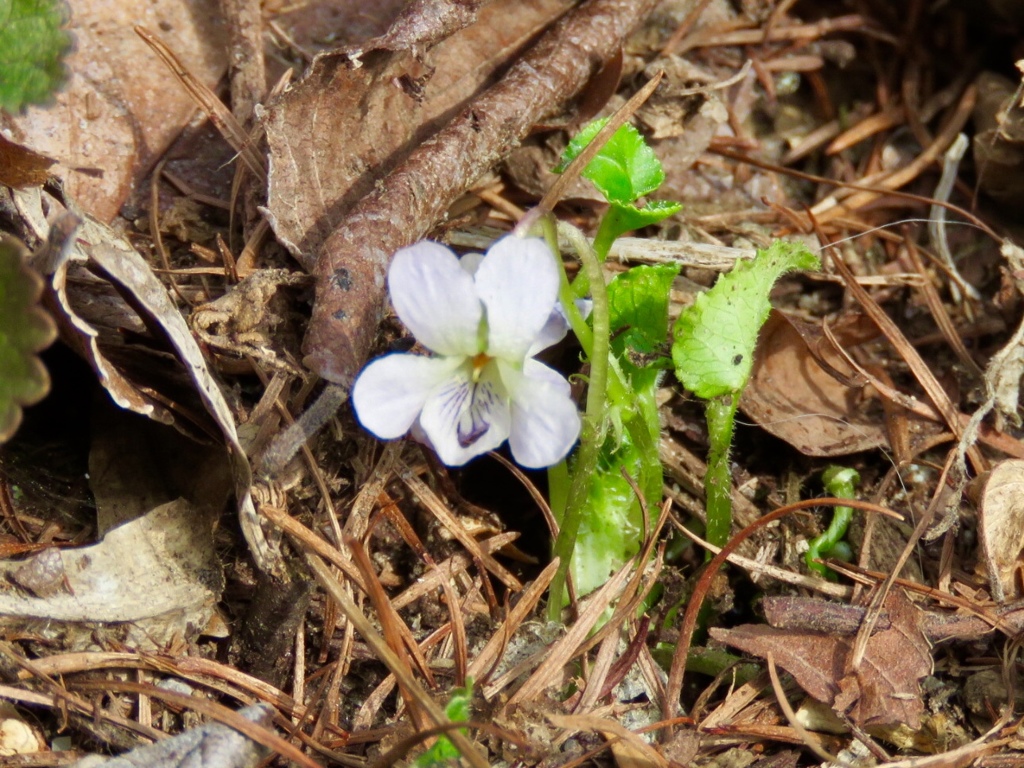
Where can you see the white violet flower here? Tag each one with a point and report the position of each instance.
(483, 317)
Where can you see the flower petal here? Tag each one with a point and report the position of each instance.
(390, 392)
(518, 283)
(463, 419)
(557, 326)
(545, 420)
(471, 262)
(436, 299)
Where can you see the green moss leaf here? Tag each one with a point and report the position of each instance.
(32, 47)
(713, 350)
(25, 329)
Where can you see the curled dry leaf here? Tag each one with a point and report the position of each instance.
(885, 690)
(25, 330)
(97, 246)
(793, 395)
(999, 497)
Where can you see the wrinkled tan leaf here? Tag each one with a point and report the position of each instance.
(792, 396)
(159, 574)
(885, 690)
(128, 270)
(1000, 502)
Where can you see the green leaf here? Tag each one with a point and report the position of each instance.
(622, 218)
(25, 329)
(611, 531)
(713, 350)
(624, 170)
(458, 710)
(32, 48)
(638, 304)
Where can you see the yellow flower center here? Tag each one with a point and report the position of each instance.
(479, 362)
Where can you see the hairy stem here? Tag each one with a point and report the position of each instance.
(721, 416)
(593, 422)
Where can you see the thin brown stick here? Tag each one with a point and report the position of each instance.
(219, 115)
(810, 741)
(396, 632)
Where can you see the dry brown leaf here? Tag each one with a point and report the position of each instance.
(358, 113)
(121, 107)
(22, 167)
(999, 139)
(999, 498)
(104, 252)
(792, 396)
(884, 691)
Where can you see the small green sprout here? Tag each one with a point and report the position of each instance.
(713, 353)
(840, 482)
(625, 170)
(458, 710)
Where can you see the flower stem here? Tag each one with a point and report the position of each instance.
(606, 234)
(558, 489)
(721, 416)
(593, 421)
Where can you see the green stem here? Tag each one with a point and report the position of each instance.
(721, 416)
(593, 423)
(606, 234)
(558, 489)
(839, 482)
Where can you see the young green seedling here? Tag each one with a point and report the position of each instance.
(600, 515)
(840, 482)
(713, 354)
(458, 710)
(625, 170)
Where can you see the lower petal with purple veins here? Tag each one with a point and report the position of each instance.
(464, 418)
